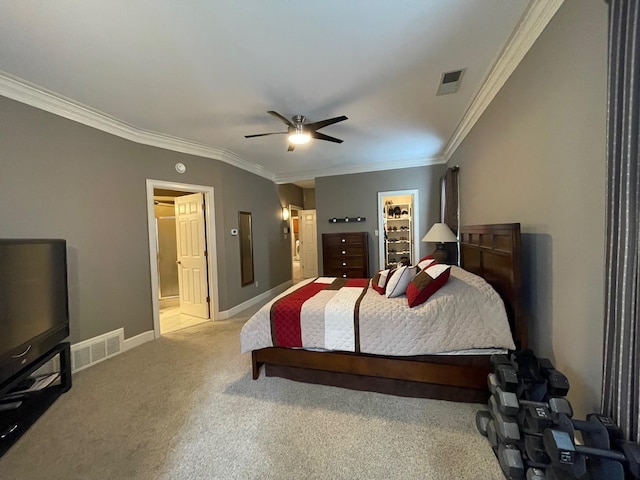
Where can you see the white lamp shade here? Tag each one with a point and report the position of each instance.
(439, 233)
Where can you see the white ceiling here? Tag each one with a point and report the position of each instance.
(202, 74)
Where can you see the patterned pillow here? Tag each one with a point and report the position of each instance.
(425, 262)
(400, 279)
(426, 283)
(380, 279)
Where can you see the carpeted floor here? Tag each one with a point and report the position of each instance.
(185, 407)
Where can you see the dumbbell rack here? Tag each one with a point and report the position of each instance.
(531, 431)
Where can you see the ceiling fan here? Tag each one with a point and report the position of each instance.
(300, 132)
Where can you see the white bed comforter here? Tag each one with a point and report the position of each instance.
(464, 314)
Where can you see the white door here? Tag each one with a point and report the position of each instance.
(192, 256)
(308, 243)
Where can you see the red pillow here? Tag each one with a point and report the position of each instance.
(380, 279)
(426, 283)
(426, 262)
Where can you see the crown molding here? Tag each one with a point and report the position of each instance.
(534, 21)
(290, 177)
(38, 97)
(538, 15)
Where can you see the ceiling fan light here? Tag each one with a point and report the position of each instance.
(299, 138)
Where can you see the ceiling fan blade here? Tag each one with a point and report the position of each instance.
(324, 123)
(264, 134)
(280, 117)
(322, 136)
(291, 147)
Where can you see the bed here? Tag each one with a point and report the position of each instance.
(491, 252)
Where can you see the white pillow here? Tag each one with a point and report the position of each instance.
(399, 281)
(382, 282)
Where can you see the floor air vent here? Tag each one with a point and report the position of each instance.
(450, 82)
(96, 349)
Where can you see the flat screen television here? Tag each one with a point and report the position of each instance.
(34, 306)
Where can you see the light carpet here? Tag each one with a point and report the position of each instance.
(185, 407)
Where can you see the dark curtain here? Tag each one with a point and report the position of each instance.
(449, 208)
(621, 382)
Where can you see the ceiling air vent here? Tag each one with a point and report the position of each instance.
(450, 82)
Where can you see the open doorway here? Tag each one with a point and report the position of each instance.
(399, 227)
(294, 228)
(308, 243)
(182, 255)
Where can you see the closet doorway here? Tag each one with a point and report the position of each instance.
(399, 227)
(182, 255)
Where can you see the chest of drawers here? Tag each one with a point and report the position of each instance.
(345, 255)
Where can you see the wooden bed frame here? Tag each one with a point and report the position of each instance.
(490, 251)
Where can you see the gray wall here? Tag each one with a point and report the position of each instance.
(290, 194)
(356, 195)
(309, 199)
(537, 156)
(63, 179)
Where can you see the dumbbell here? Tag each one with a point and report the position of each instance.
(538, 418)
(482, 421)
(532, 422)
(615, 434)
(603, 462)
(617, 441)
(539, 376)
(515, 467)
(507, 377)
(557, 382)
(534, 449)
(507, 428)
(509, 403)
(534, 473)
(498, 429)
(533, 444)
(499, 359)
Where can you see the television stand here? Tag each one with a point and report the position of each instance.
(20, 409)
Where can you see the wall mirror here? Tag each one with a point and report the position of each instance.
(246, 248)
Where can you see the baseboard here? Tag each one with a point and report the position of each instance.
(138, 340)
(251, 302)
(97, 349)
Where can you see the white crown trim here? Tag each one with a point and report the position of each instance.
(290, 177)
(538, 15)
(38, 97)
(536, 18)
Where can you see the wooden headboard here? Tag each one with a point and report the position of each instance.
(494, 253)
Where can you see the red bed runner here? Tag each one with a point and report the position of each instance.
(285, 312)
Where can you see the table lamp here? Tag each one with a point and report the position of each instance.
(440, 234)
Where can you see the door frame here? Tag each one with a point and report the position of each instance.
(292, 242)
(415, 217)
(210, 232)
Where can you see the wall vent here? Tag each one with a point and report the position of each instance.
(89, 352)
(450, 82)
(96, 349)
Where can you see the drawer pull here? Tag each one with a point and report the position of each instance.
(344, 252)
(344, 275)
(343, 240)
(344, 264)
